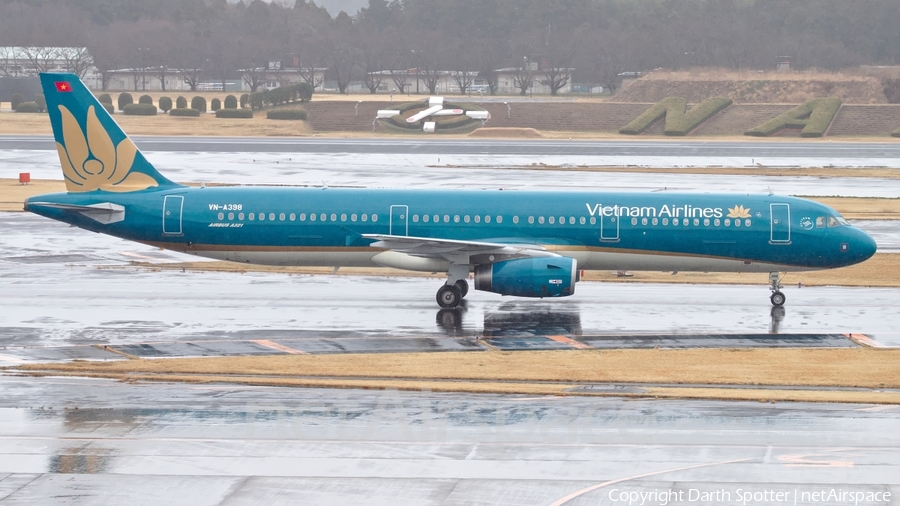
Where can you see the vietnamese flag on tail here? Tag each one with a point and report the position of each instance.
(63, 87)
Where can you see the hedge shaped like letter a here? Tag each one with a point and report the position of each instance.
(678, 120)
(813, 117)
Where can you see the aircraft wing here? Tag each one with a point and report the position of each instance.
(457, 252)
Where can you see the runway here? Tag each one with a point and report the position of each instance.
(63, 290)
(233, 445)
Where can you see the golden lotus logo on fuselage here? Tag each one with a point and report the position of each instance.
(90, 161)
(738, 212)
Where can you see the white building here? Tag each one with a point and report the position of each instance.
(21, 61)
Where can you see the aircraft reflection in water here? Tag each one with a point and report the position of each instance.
(519, 243)
(526, 320)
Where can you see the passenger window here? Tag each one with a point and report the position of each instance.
(477, 219)
(634, 221)
(593, 221)
(737, 223)
(415, 218)
(455, 218)
(515, 219)
(446, 218)
(437, 218)
(365, 217)
(747, 222)
(262, 216)
(333, 217)
(656, 221)
(302, 216)
(252, 216)
(552, 220)
(343, 217)
(696, 222)
(241, 216)
(487, 219)
(531, 220)
(665, 221)
(727, 222)
(271, 216)
(571, 220)
(293, 217)
(705, 222)
(466, 218)
(221, 216)
(717, 222)
(312, 217)
(374, 217)
(499, 219)
(425, 218)
(322, 217)
(281, 217)
(582, 220)
(353, 217)
(230, 216)
(541, 220)
(562, 220)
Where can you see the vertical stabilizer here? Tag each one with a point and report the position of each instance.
(94, 152)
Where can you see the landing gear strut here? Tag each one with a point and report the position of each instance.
(777, 297)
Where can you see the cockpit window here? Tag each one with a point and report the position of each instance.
(843, 221)
(820, 222)
(833, 222)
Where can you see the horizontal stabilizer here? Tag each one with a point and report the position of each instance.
(104, 212)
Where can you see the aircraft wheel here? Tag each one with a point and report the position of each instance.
(448, 296)
(463, 287)
(777, 299)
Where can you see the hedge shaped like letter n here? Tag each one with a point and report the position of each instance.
(678, 120)
(813, 117)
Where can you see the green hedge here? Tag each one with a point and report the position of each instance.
(231, 102)
(105, 99)
(181, 103)
(17, 99)
(295, 114)
(215, 104)
(245, 100)
(198, 103)
(28, 107)
(184, 111)
(109, 107)
(125, 99)
(165, 104)
(280, 96)
(236, 113)
(139, 110)
(41, 101)
(813, 117)
(145, 99)
(678, 120)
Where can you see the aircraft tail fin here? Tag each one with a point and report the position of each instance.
(94, 152)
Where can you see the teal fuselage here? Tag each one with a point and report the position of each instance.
(602, 230)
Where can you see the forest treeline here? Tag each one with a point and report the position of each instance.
(600, 39)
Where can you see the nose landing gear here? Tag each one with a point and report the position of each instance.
(777, 296)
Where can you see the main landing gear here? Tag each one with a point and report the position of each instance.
(455, 289)
(777, 296)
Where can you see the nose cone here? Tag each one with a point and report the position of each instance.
(862, 247)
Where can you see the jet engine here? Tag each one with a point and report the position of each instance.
(529, 277)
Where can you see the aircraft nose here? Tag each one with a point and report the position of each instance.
(863, 246)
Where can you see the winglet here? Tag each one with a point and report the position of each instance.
(94, 152)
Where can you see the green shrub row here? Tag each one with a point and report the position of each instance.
(28, 107)
(199, 103)
(184, 111)
(109, 107)
(231, 102)
(235, 113)
(678, 120)
(295, 114)
(139, 110)
(281, 95)
(145, 99)
(124, 99)
(16, 99)
(181, 103)
(813, 117)
(165, 104)
(215, 104)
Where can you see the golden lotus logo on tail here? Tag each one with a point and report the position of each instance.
(90, 161)
(738, 212)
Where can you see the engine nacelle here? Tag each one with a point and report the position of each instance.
(529, 277)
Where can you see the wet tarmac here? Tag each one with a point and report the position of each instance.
(85, 441)
(65, 292)
(464, 171)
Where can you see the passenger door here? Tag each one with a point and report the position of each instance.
(172, 208)
(399, 220)
(780, 223)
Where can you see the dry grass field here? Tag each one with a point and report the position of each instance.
(697, 373)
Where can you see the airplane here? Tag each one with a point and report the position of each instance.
(518, 243)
